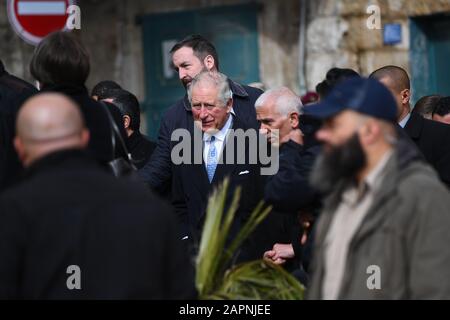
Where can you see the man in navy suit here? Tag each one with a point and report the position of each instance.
(431, 138)
(214, 155)
(190, 56)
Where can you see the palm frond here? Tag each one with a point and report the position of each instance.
(252, 280)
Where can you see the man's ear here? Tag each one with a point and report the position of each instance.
(294, 120)
(369, 132)
(229, 105)
(20, 148)
(85, 136)
(406, 96)
(126, 121)
(209, 62)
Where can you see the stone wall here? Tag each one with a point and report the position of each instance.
(114, 40)
(122, 39)
(338, 35)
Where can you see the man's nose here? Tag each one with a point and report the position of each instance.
(181, 73)
(203, 113)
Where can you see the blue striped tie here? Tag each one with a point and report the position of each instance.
(211, 162)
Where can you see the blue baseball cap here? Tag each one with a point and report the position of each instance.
(365, 96)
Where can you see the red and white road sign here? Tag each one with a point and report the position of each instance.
(34, 19)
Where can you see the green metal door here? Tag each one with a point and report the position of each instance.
(232, 29)
(430, 55)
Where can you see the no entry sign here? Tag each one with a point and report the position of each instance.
(33, 20)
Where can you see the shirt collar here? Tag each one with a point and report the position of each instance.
(372, 178)
(404, 120)
(222, 133)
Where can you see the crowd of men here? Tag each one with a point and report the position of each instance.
(357, 181)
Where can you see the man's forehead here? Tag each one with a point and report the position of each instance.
(388, 82)
(264, 111)
(183, 54)
(203, 87)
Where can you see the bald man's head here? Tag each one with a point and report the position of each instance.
(47, 123)
(398, 76)
(396, 79)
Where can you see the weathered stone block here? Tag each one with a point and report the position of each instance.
(318, 65)
(326, 34)
(426, 7)
(372, 60)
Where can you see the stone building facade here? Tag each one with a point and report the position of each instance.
(335, 33)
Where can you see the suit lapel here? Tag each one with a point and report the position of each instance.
(414, 126)
(199, 174)
(224, 169)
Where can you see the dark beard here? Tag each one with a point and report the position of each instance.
(339, 166)
(186, 81)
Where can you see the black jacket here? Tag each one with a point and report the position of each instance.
(289, 189)
(70, 212)
(433, 140)
(140, 148)
(191, 189)
(100, 143)
(290, 194)
(157, 172)
(13, 92)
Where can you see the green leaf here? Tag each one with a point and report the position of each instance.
(252, 280)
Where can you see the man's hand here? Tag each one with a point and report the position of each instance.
(279, 253)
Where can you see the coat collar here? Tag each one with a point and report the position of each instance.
(50, 161)
(398, 165)
(2, 68)
(236, 88)
(404, 154)
(414, 126)
(134, 139)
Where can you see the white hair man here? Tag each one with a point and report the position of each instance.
(279, 112)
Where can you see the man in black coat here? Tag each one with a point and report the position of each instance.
(72, 231)
(432, 138)
(139, 146)
(13, 92)
(213, 154)
(191, 56)
(288, 191)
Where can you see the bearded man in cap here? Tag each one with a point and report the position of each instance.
(385, 226)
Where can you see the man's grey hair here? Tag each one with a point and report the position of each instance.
(217, 79)
(286, 101)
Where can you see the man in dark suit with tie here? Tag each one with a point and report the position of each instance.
(191, 56)
(432, 138)
(215, 153)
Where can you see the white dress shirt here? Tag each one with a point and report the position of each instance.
(404, 120)
(219, 142)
